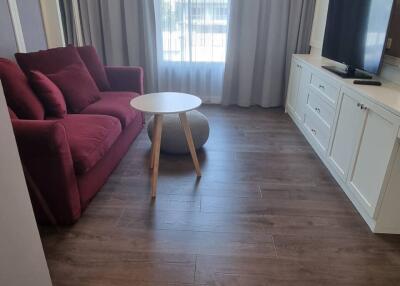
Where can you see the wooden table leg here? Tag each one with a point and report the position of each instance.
(152, 144)
(189, 139)
(158, 118)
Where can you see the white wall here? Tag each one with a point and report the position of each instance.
(29, 25)
(32, 26)
(22, 260)
(391, 66)
(8, 42)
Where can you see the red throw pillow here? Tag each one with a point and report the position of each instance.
(95, 66)
(49, 94)
(19, 94)
(77, 86)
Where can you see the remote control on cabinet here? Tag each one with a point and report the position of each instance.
(368, 82)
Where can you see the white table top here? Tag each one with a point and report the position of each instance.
(166, 102)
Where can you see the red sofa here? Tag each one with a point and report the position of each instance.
(70, 158)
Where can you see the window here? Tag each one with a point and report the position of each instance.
(193, 30)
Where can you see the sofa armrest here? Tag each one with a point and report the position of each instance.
(125, 78)
(46, 155)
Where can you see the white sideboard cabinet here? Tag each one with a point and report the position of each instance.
(355, 131)
(295, 81)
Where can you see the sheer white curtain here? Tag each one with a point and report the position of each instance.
(191, 46)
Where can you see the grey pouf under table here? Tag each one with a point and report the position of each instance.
(173, 138)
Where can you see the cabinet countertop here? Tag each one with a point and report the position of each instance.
(386, 96)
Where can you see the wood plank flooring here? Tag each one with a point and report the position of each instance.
(265, 212)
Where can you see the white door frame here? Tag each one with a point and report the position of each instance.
(77, 22)
(52, 23)
(16, 21)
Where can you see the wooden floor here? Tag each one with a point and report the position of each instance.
(265, 212)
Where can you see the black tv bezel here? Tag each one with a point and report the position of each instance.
(356, 72)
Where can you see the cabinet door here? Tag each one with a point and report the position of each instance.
(302, 95)
(372, 156)
(293, 89)
(347, 133)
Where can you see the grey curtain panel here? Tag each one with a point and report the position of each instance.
(68, 22)
(263, 34)
(123, 32)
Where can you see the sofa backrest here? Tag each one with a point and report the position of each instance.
(49, 61)
(53, 60)
(19, 95)
(96, 68)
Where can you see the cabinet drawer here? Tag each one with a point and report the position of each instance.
(327, 90)
(324, 111)
(317, 129)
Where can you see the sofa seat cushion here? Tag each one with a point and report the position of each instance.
(18, 93)
(116, 104)
(89, 138)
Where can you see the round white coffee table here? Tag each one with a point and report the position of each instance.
(167, 103)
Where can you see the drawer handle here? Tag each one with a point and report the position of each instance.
(314, 131)
(317, 110)
(362, 106)
(322, 86)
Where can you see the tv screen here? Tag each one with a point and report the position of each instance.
(356, 31)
